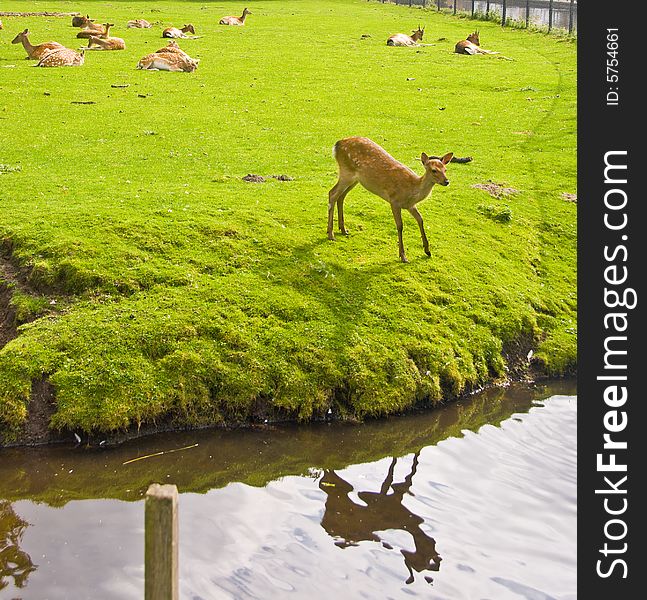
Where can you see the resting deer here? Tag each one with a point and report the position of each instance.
(81, 21)
(172, 47)
(139, 23)
(62, 57)
(168, 61)
(362, 161)
(174, 32)
(105, 42)
(34, 52)
(94, 29)
(236, 20)
(402, 39)
(471, 45)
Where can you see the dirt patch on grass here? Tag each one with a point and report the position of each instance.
(42, 406)
(8, 280)
(38, 14)
(252, 178)
(569, 197)
(496, 190)
(7, 316)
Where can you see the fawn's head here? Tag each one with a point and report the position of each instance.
(189, 27)
(474, 38)
(246, 11)
(20, 37)
(417, 33)
(435, 166)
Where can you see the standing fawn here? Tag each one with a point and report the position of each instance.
(236, 20)
(402, 39)
(174, 32)
(362, 161)
(471, 45)
(35, 52)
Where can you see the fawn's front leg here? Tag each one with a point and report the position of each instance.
(418, 217)
(397, 215)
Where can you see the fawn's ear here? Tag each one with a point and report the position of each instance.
(424, 158)
(445, 159)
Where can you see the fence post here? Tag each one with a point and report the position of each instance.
(527, 13)
(438, 5)
(550, 15)
(161, 543)
(503, 13)
(570, 17)
(473, 1)
(454, 6)
(487, 9)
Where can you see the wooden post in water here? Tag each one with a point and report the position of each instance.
(570, 17)
(550, 15)
(161, 543)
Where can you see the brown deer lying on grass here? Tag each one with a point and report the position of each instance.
(94, 29)
(174, 32)
(139, 24)
(168, 60)
(38, 51)
(172, 47)
(240, 21)
(471, 45)
(402, 39)
(362, 161)
(62, 57)
(81, 21)
(105, 42)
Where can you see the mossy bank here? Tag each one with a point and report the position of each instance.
(146, 282)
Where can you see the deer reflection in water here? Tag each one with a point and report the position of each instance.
(352, 523)
(15, 563)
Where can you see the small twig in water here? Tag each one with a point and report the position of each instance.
(132, 460)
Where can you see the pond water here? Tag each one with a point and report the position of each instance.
(475, 500)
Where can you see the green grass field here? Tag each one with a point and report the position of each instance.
(157, 284)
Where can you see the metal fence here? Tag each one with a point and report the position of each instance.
(553, 14)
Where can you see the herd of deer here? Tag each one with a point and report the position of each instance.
(169, 58)
(360, 160)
